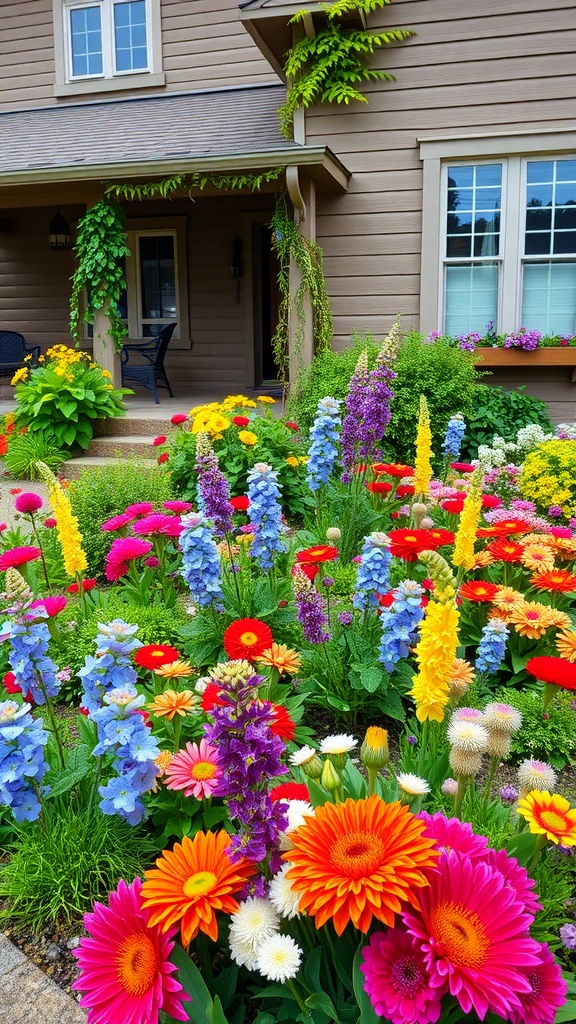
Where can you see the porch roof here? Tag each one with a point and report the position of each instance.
(220, 130)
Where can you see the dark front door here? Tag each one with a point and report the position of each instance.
(265, 305)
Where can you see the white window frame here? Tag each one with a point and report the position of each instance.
(175, 227)
(67, 84)
(513, 150)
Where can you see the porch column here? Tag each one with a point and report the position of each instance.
(105, 347)
(301, 336)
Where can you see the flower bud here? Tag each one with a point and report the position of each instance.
(374, 751)
(331, 779)
(419, 510)
(313, 768)
(427, 523)
(333, 534)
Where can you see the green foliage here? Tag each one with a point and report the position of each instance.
(65, 395)
(344, 577)
(195, 182)
(548, 476)
(100, 249)
(328, 66)
(551, 739)
(105, 491)
(502, 413)
(54, 876)
(25, 450)
(290, 244)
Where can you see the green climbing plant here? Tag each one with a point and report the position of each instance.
(195, 182)
(329, 66)
(99, 275)
(289, 244)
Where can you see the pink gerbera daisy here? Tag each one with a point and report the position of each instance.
(516, 878)
(18, 556)
(397, 979)
(51, 605)
(194, 770)
(453, 834)
(178, 506)
(474, 934)
(547, 992)
(123, 551)
(140, 508)
(158, 522)
(117, 522)
(126, 976)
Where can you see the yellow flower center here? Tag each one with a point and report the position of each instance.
(199, 884)
(203, 770)
(460, 933)
(410, 537)
(156, 654)
(552, 821)
(137, 964)
(357, 854)
(248, 639)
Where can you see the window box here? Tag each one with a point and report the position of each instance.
(560, 356)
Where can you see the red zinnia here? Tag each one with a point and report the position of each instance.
(292, 425)
(379, 487)
(247, 638)
(491, 501)
(159, 441)
(155, 655)
(553, 670)
(462, 467)
(240, 421)
(556, 579)
(289, 791)
(282, 726)
(86, 585)
(163, 458)
(18, 556)
(178, 418)
(210, 698)
(453, 505)
(314, 555)
(404, 490)
(240, 503)
(505, 550)
(479, 590)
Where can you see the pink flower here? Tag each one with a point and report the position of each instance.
(194, 770)
(163, 458)
(18, 556)
(560, 531)
(453, 834)
(152, 562)
(516, 878)
(178, 506)
(117, 522)
(3, 526)
(51, 605)
(547, 992)
(169, 526)
(159, 441)
(397, 979)
(28, 502)
(178, 418)
(140, 508)
(123, 551)
(50, 523)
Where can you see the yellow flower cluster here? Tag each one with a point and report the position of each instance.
(69, 534)
(469, 519)
(212, 417)
(64, 359)
(423, 464)
(435, 654)
(20, 376)
(548, 476)
(247, 437)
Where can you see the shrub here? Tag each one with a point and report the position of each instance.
(548, 476)
(105, 491)
(502, 413)
(26, 449)
(552, 739)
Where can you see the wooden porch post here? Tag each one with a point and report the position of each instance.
(301, 336)
(105, 347)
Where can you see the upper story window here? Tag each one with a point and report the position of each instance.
(102, 45)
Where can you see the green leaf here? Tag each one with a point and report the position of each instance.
(391, 705)
(79, 763)
(371, 676)
(367, 1013)
(320, 1001)
(194, 985)
(522, 847)
(566, 1013)
(218, 1016)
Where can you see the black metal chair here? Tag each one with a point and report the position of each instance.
(13, 350)
(150, 372)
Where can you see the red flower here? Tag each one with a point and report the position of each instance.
(282, 726)
(163, 458)
(10, 684)
(453, 505)
(240, 421)
(505, 550)
(379, 487)
(155, 655)
(240, 503)
(315, 555)
(289, 791)
(488, 531)
(479, 590)
(50, 523)
(395, 469)
(386, 600)
(560, 580)
(440, 538)
(247, 638)
(158, 441)
(210, 698)
(408, 544)
(491, 501)
(83, 711)
(553, 670)
(178, 418)
(18, 556)
(308, 568)
(292, 425)
(404, 490)
(462, 467)
(15, 490)
(506, 526)
(4, 526)
(3, 444)
(86, 585)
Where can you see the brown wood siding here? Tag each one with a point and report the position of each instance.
(204, 47)
(469, 68)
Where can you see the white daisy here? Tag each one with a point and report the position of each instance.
(467, 736)
(279, 958)
(302, 756)
(254, 922)
(339, 744)
(297, 810)
(412, 784)
(282, 896)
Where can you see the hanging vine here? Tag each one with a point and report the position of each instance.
(328, 67)
(195, 182)
(100, 251)
(289, 244)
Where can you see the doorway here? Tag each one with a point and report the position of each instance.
(266, 301)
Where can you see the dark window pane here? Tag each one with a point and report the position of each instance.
(157, 276)
(486, 245)
(539, 195)
(564, 242)
(538, 220)
(565, 218)
(459, 245)
(459, 224)
(540, 170)
(538, 244)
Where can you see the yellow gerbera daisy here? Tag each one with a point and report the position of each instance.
(549, 815)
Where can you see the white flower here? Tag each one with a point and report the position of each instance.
(468, 715)
(255, 921)
(279, 959)
(467, 736)
(201, 684)
(302, 756)
(450, 787)
(412, 784)
(297, 810)
(339, 744)
(282, 896)
(502, 717)
(536, 775)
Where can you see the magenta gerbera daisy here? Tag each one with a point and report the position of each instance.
(123, 551)
(140, 508)
(397, 979)
(158, 522)
(194, 770)
(547, 992)
(474, 934)
(15, 557)
(126, 976)
(516, 878)
(453, 834)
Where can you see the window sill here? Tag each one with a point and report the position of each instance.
(104, 85)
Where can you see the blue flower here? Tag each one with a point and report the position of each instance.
(265, 514)
(200, 560)
(22, 764)
(492, 646)
(34, 670)
(112, 667)
(323, 451)
(374, 570)
(454, 436)
(399, 623)
(122, 732)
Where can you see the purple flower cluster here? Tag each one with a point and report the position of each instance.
(399, 623)
(527, 340)
(468, 342)
(250, 755)
(367, 413)
(374, 570)
(111, 667)
(498, 515)
(33, 668)
(22, 764)
(213, 489)
(122, 732)
(309, 609)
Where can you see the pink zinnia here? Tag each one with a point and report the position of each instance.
(194, 770)
(178, 418)
(178, 506)
(168, 526)
(126, 975)
(52, 605)
(117, 522)
(18, 556)
(453, 834)
(50, 522)
(560, 531)
(474, 934)
(123, 551)
(516, 878)
(140, 508)
(547, 995)
(28, 502)
(397, 979)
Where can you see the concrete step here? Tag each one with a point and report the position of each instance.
(123, 445)
(73, 467)
(118, 426)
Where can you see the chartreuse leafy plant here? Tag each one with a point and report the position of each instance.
(100, 276)
(63, 396)
(329, 66)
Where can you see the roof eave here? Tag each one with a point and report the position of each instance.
(271, 29)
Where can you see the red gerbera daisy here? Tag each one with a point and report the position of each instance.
(210, 698)
(479, 590)
(247, 638)
(488, 531)
(240, 503)
(282, 726)
(309, 570)
(379, 487)
(513, 525)
(453, 505)
(289, 791)
(505, 550)
(557, 579)
(396, 469)
(314, 555)
(553, 670)
(404, 490)
(408, 544)
(155, 655)
(440, 537)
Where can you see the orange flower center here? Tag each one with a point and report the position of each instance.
(248, 639)
(137, 964)
(552, 821)
(533, 615)
(461, 934)
(357, 854)
(198, 884)
(203, 770)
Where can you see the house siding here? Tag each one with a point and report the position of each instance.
(204, 47)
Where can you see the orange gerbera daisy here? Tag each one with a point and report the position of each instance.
(532, 619)
(507, 597)
(550, 815)
(505, 550)
(175, 670)
(191, 882)
(171, 703)
(559, 579)
(282, 658)
(482, 559)
(566, 645)
(538, 557)
(461, 677)
(357, 861)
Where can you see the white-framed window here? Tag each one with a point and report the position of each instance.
(499, 236)
(107, 44)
